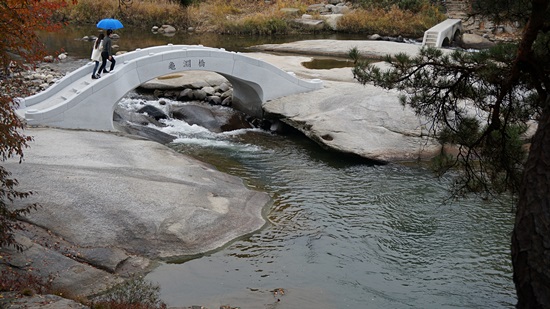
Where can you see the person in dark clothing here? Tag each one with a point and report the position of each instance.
(107, 54)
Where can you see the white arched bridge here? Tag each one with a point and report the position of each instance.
(79, 102)
(443, 34)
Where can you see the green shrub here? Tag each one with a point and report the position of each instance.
(134, 293)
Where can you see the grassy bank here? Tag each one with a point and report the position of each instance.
(257, 17)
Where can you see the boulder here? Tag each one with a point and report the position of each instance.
(152, 111)
(332, 20)
(145, 131)
(309, 24)
(214, 100)
(474, 41)
(199, 94)
(214, 119)
(185, 95)
(209, 90)
(199, 115)
(167, 29)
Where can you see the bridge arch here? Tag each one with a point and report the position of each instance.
(77, 101)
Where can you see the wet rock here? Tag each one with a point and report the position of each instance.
(235, 121)
(146, 132)
(199, 115)
(214, 119)
(122, 116)
(152, 111)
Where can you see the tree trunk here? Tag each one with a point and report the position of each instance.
(531, 235)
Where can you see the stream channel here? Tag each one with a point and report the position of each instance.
(341, 232)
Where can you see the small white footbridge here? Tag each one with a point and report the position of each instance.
(79, 102)
(443, 34)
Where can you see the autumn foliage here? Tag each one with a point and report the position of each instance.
(20, 48)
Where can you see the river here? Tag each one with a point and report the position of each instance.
(341, 233)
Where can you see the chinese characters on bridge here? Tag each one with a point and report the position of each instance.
(187, 64)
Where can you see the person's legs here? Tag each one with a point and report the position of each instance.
(96, 65)
(113, 62)
(104, 56)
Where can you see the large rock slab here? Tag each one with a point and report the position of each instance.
(340, 48)
(101, 190)
(346, 116)
(363, 120)
(62, 272)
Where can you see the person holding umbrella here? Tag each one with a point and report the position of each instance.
(107, 54)
(109, 24)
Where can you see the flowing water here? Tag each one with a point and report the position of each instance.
(341, 233)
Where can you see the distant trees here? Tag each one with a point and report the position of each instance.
(20, 48)
(481, 102)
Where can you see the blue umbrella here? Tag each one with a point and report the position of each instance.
(109, 23)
